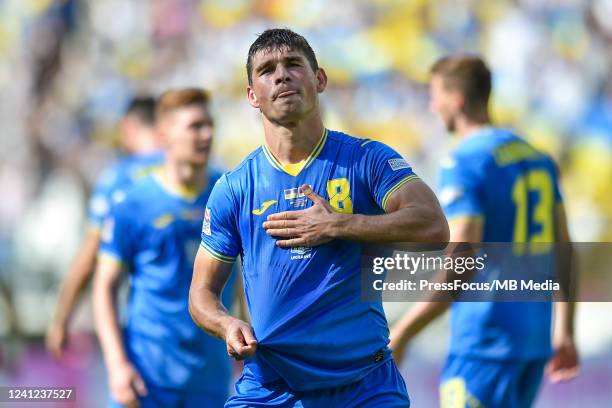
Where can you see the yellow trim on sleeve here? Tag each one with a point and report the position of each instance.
(216, 255)
(104, 255)
(396, 187)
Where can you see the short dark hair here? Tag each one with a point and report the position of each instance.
(143, 108)
(469, 75)
(279, 39)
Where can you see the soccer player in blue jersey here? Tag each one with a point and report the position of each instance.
(495, 187)
(139, 139)
(162, 358)
(297, 211)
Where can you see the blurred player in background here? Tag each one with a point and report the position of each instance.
(162, 358)
(296, 210)
(139, 140)
(494, 188)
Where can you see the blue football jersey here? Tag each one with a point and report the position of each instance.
(155, 232)
(500, 178)
(115, 180)
(312, 328)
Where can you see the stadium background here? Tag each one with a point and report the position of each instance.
(69, 68)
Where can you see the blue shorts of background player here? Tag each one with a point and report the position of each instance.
(158, 397)
(488, 383)
(383, 387)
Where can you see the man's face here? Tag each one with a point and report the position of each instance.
(284, 86)
(188, 134)
(444, 102)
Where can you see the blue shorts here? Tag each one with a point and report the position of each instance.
(478, 383)
(383, 387)
(158, 397)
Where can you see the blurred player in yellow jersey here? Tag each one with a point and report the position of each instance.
(140, 141)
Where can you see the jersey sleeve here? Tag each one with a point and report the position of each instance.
(385, 171)
(118, 234)
(460, 188)
(220, 236)
(99, 205)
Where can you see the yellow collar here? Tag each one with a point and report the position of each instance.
(186, 193)
(293, 169)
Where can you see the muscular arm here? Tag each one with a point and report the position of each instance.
(125, 382)
(564, 311)
(565, 363)
(74, 285)
(207, 311)
(423, 313)
(105, 287)
(413, 214)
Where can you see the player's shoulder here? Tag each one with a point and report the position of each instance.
(131, 209)
(244, 168)
(475, 153)
(111, 174)
(155, 157)
(508, 147)
(233, 179)
(346, 140)
(336, 136)
(481, 147)
(522, 147)
(215, 173)
(482, 141)
(128, 162)
(367, 154)
(139, 194)
(122, 169)
(361, 145)
(141, 165)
